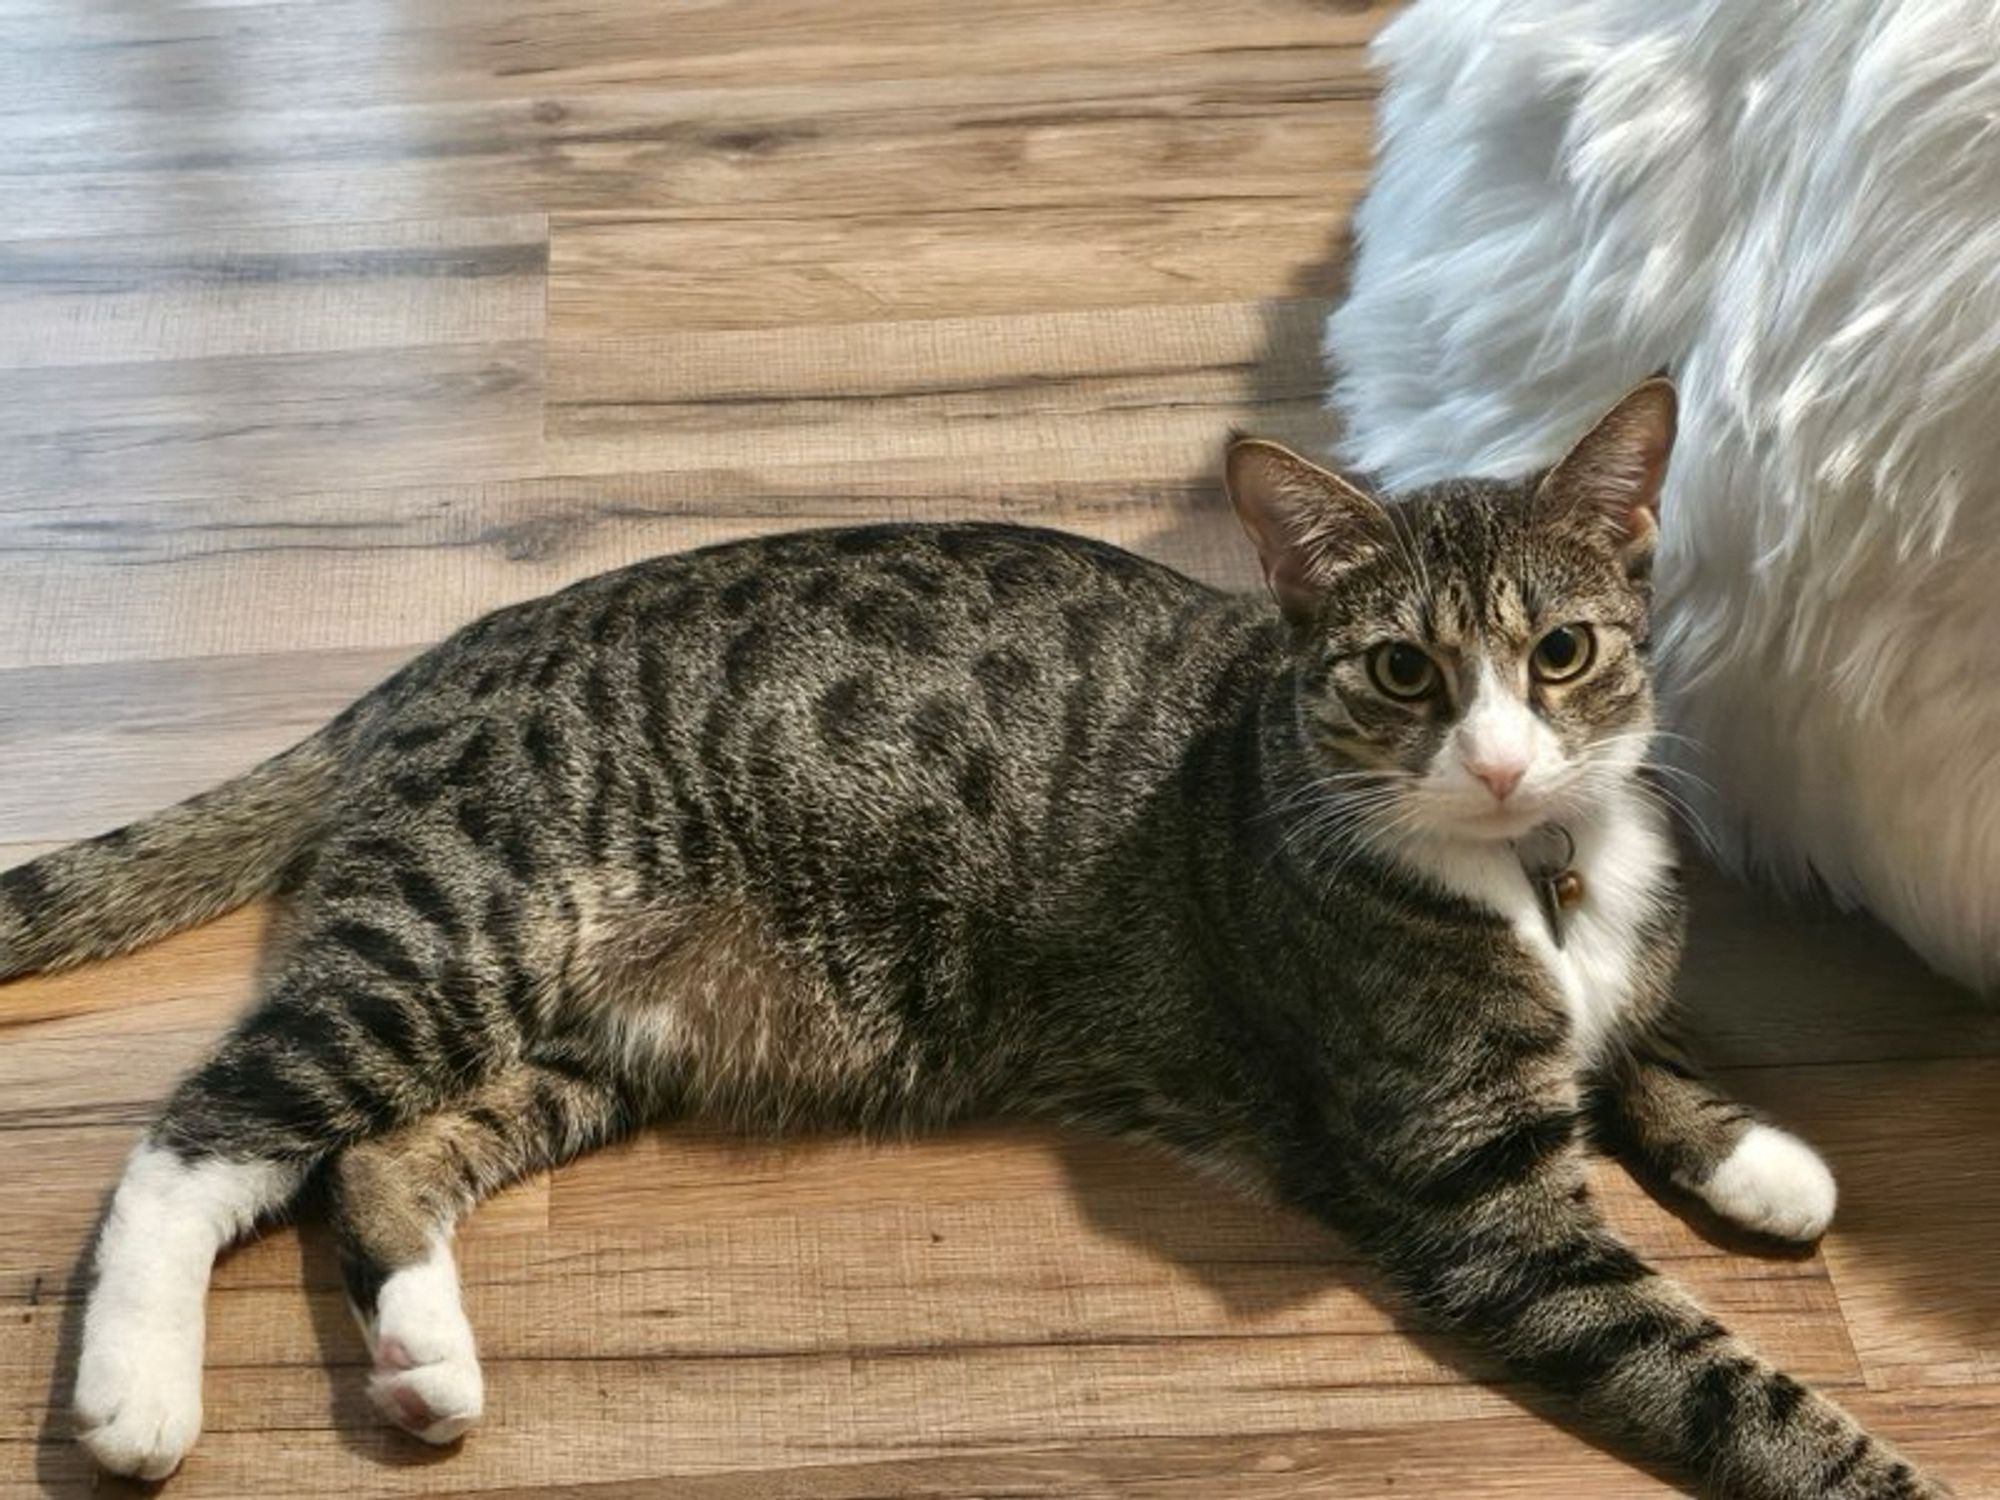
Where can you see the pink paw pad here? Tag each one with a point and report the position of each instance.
(414, 1412)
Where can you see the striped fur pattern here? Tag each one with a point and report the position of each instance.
(892, 826)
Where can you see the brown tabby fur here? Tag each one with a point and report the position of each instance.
(891, 826)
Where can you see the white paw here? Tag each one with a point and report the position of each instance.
(138, 1400)
(426, 1378)
(1773, 1183)
(138, 1379)
(437, 1400)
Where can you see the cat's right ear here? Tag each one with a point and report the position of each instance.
(1612, 477)
(1304, 519)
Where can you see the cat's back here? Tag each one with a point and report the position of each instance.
(773, 614)
(1010, 664)
(913, 588)
(910, 589)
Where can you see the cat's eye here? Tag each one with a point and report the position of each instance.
(1563, 653)
(1402, 670)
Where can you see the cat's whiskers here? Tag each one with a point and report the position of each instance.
(1667, 768)
(1593, 759)
(1610, 779)
(1683, 812)
(1336, 815)
(1308, 792)
(1338, 819)
(1379, 838)
(1367, 832)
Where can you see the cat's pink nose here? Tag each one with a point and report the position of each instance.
(1500, 776)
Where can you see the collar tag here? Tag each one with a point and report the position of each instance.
(1548, 859)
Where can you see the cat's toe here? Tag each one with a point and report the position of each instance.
(437, 1401)
(138, 1422)
(1774, 1183)
(138, 1394)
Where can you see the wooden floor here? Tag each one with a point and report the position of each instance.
(328, 324)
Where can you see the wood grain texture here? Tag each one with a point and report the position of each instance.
(271, 291)
(327, 325)
(268, 423)
(669, 275)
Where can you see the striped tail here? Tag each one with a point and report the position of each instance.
(134, 885)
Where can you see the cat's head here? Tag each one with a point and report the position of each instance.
(1472, 655)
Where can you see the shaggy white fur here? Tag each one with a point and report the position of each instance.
(1795, 205)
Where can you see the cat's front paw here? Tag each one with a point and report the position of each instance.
(1774, 1183)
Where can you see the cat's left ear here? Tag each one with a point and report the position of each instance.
(1613, 476)
(1305, 520)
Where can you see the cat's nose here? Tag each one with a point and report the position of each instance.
(1499, 776)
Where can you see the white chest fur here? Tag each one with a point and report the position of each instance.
(1623, 855)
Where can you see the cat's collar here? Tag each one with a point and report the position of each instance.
(1547, 854)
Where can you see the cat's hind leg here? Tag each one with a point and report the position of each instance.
(394, 1200)
(138, 1384)
(359, 1032)
(1654, 1104)
(232, 1146)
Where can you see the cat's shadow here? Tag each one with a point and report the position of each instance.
(1264, 1265)
(343, 1357)
(1827, 1021)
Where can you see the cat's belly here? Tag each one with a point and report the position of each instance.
(707, 1012)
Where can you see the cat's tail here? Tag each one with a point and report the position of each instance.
(174, 869)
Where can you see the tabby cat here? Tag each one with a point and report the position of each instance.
(891, 826)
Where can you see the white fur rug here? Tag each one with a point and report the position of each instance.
(1794, 205)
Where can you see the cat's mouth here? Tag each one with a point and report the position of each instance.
(1506, 820)
(1483, 819)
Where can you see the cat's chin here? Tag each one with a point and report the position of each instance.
(1498, 825)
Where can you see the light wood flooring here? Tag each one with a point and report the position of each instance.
(326, 325)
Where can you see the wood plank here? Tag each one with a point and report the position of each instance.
(205, 975)
(635, 275)
(266, 423)
(1502, 1455)
(905, 1331)
(170, 59)
(694, 1173)
(972, 1276)
(284, 347)
(1948, 1429)
(1225, 121)
(972, 1248)
(1516, 1456)
(286, 291)
(93, 747)
(1912, 1253)
(1112, 390)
